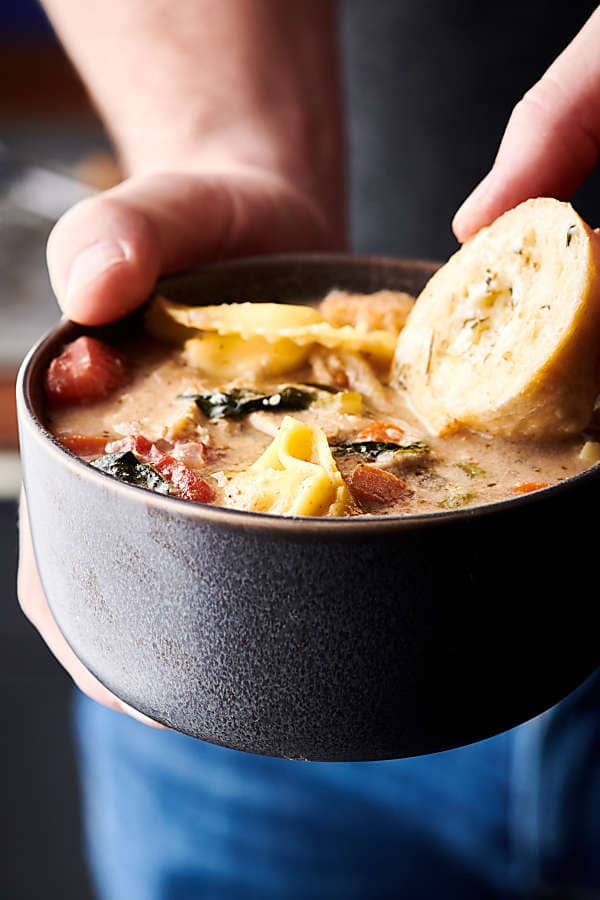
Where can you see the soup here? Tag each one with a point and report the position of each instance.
(284, 409)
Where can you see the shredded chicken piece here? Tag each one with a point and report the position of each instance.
(355, 370)
(264, 422)
(385, 310)
(328, 369)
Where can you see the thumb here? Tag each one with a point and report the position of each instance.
(106, 253)
(552, 140)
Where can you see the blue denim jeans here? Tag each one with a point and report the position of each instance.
(516, 816)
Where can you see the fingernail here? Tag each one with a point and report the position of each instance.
(92, 262)
(140, 717)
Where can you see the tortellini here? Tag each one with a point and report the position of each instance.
(245, 319)
(268, 330)
(378, 344)
(295, 476)
(230, 356)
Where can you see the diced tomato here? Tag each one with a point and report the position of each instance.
(85, 371)
(381, 431)
(136, 443)
(526, 487)
(186, 482)
(83, 444)
(371, 484)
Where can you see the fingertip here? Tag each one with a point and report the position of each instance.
(109, 293)
(474, 212)
(460, 228)
(103, 259)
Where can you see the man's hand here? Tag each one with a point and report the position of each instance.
(227, 117)
(104, 257)
(552, 141)
(105, 254)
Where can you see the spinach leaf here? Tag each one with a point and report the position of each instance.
(126, 467)
(242, 401)
(372, 449)
(322, 387)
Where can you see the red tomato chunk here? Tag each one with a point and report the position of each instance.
(85, 371)
(136, 443)
(186, 482)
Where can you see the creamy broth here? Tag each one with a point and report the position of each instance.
(426, 473)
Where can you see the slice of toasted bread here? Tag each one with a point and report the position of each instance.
(505, 337)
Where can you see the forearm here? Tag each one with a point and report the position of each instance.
(213, 83)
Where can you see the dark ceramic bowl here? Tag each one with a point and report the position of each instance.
(311, 638)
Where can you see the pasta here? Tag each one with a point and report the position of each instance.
(295, 476)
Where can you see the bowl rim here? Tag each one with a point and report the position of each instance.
(338, 528)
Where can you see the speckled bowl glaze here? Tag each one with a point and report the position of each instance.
(311, 638)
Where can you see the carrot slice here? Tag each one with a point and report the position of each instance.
(526, 487)
(381, 431)
(83, 444)
(371, 484)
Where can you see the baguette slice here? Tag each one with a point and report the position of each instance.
(505, 337)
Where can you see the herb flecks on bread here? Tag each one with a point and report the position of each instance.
(505, 337)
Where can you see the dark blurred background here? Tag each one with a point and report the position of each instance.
(451, 92)
(45, 119)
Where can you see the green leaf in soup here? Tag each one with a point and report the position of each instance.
(242, 401)
(372, 449)
(126, 467)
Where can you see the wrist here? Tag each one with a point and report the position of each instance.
(230, 148)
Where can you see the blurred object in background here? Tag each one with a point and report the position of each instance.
(99, 170)
(31, 199)
(51, 140)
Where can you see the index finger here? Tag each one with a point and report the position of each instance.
(552, 140)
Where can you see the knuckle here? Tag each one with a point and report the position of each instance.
(541, 101)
